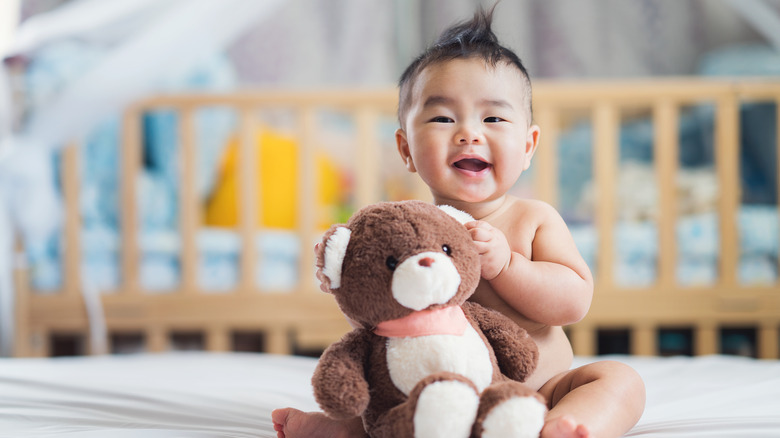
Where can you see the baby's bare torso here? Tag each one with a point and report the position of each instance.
(555, 353)
(519, 220)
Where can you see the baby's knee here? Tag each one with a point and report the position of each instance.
(613, 372)
(626, 374)
(624, 380)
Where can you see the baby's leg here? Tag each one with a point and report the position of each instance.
(602, 399)
(293, 423)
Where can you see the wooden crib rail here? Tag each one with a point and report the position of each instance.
(364, 105)
(666, 304)
(310, 318)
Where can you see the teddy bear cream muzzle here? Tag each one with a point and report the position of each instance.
(424, 280)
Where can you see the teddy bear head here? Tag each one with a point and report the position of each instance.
(395, 258)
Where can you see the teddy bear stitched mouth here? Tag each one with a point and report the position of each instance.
(471, 164)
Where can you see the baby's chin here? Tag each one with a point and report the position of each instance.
(466, 197)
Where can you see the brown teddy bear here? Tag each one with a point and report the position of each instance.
(425, 362)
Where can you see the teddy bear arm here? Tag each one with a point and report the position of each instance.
(516, 352)
(339, 382)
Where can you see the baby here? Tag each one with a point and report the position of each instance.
(466, 129)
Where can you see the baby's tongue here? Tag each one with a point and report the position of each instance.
(471, 164)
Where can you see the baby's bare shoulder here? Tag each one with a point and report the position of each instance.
(532, 211)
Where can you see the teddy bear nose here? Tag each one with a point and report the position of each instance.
(426, 262)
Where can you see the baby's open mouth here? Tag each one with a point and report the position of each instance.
(471, 164)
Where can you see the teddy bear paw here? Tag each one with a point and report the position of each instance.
(445, 409)
(519, 417)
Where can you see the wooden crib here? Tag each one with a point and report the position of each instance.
(306, 319)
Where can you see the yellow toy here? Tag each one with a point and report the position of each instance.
(277, 185)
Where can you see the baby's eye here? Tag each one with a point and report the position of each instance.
(493, 119)
(441, 119)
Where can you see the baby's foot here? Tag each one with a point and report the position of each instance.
(564, 427)
(293, 423)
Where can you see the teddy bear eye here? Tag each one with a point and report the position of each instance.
(447, 250)
(391, 263)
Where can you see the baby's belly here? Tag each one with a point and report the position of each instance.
(555, 355)
(409, 360)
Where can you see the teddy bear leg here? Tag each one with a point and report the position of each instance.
(510, 409)
(444, 405)
(441, 405)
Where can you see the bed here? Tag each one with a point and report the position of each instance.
(196, 394)
(697, 283)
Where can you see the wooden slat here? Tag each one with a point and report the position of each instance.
(218, 338)
(706, 339)
(311, 336)
(23, 342)
(367, 157)
(727, 165)
(156, 339)
(757, 89)
(605, 152)
(566, 94)
(130, 163)
(546, 161)
(583, 339)
(385, 98)
(41, 342)
(642, 92)
(769, 340)
(249, 198)
(71, 256)
(189, 214)
(307, 175)
(666, 149)
(278, 340)
(644, 340)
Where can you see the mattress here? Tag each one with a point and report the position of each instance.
(232, 394)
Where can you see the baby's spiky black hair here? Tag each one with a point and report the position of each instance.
(468, 39)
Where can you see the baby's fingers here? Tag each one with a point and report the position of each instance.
(482, 247)
(480, 231)
(479, 235)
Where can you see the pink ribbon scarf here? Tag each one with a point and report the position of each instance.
(447, 321)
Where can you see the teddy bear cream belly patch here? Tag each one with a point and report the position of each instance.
(411, 359)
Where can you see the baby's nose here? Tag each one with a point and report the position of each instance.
(469, 135)
(426, 262)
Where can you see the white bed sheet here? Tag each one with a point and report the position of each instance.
(232, 395)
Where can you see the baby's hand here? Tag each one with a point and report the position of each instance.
(494, 251)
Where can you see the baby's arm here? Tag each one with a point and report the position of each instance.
(554, 286)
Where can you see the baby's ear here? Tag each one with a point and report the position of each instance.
(330, 256)
(459, 215)
(403, 150)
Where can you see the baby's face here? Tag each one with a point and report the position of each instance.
(467, 131)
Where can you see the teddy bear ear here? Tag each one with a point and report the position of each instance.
(459, 215)
(335, 250)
